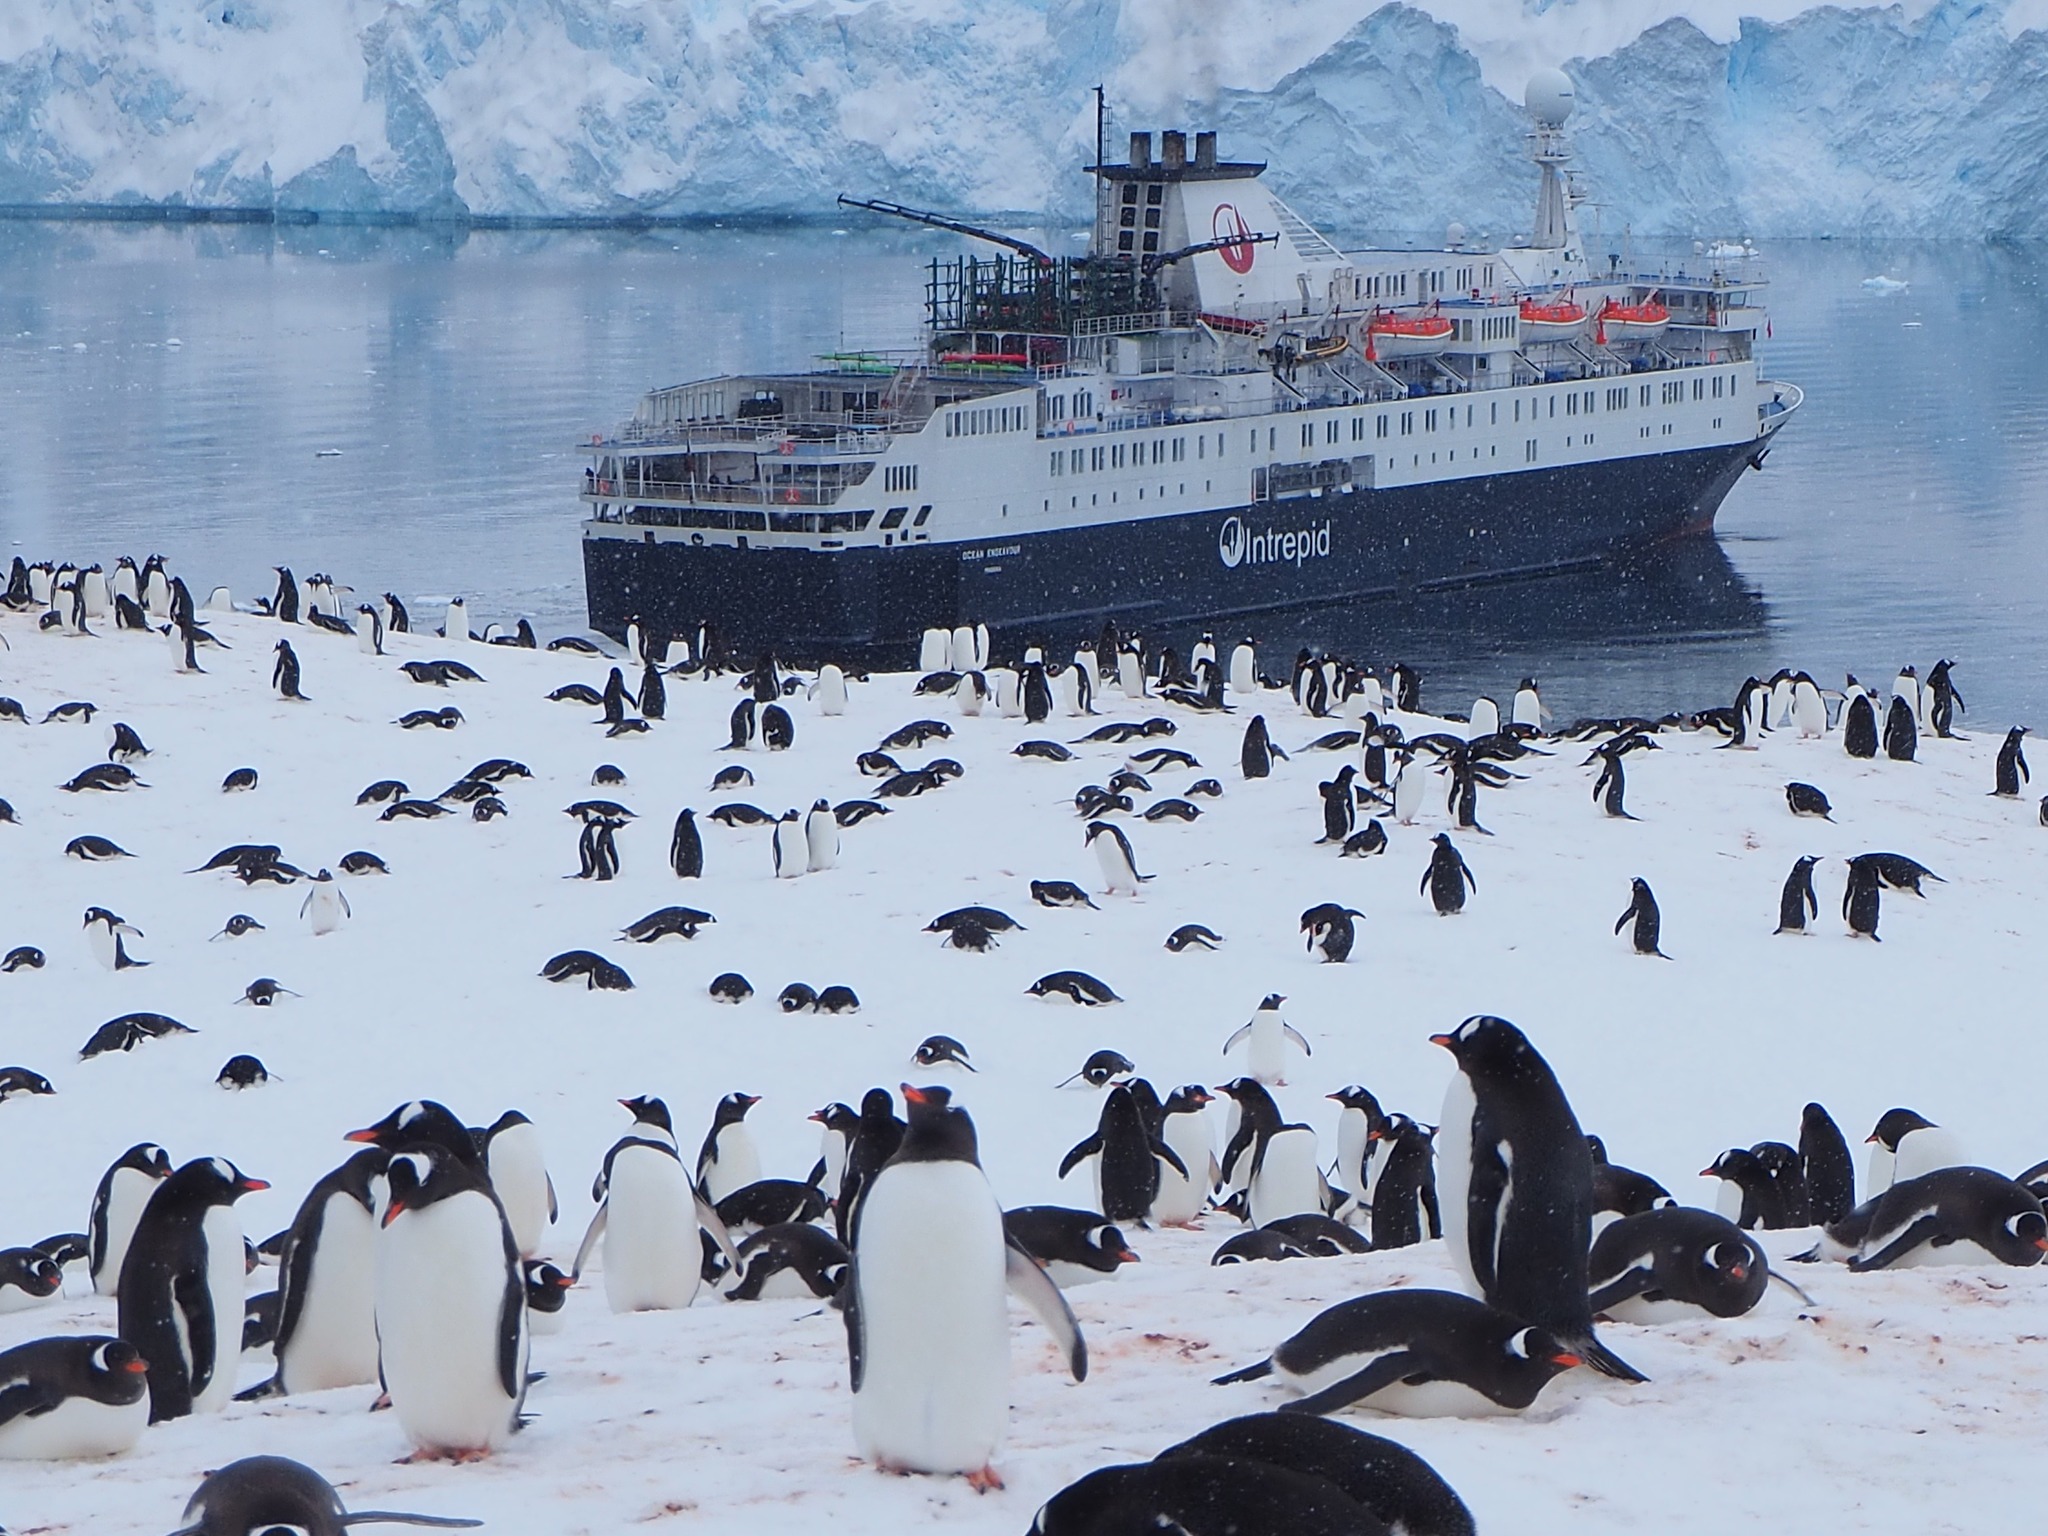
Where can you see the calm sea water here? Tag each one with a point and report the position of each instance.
(403, 409)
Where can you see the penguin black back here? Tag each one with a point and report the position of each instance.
(1830, 1172)
(1796, 902)
(260, 1494)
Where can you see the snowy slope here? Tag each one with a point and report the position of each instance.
(1865, 1414)
(1923, 119)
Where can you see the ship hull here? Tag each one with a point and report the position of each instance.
(1158, 574)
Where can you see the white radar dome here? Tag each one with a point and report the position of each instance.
(1548, 96)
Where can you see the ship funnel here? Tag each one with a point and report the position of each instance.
(1173, 149)
(1141, 149)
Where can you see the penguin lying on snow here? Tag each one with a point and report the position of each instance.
(65, 1399)
(1950, 1216)
(253, 1496)
(1669, 1265)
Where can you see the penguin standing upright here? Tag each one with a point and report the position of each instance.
(1409, 784)
(686, 847)
(653, 693)
(787, 844)
(1642, 909)
(647, 1215)
(1447, 877)
(1265, 1036)
(728, 1160)
(821, 837)
(1515, 1185)
(106, 935)
(284, 606)
(1244, 668)
(1130, 669)
(1253, 1115)
(830, 690)
(1860, 899)
(1358, 1117)
(325, 909)
(369, 630)
(1943, 699)
(117, 1205)
(615, 698)
(1184, 1127)
(1036, 694)
(1809, 709)
(1130, 1159)
(1284, 1179)
(518, 1172)
(1859, 725)
(1113, 852)
(1613, 785)
(284, 674)
(1906, 687)
(1255, 757)
(1901, 734)
(2012, 765)
(327, 1283)
(1405, 1210)
(1528, 711)
(451, 1307)
(455, 623)
(927, 1328)
(876, 1135)
(1796, 902)
(181, 1288)
(1824, 1159)
(1340, 806)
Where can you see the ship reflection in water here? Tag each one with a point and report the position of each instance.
(1672, 628)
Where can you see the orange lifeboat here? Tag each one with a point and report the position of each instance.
(1562, 321)
(1397, 336)
(1632, 322)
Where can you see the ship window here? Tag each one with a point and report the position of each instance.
(1699, 389)
(1158, 450)
(1358, 429)
(1151, 239)
(1201, 445)
(923, 512)
(1123, 241)
(1308, 434)
(1518, 410)
(1180, 449)
(1095, 458)
(1272, 440)
(1468, 415)
(1151, 218)
(1644, 394)
(1717, 386)
(1407, 422)
(1330, 430)
(1130, 218)
(1571, 405)
(1130, 192)
(1493, 413)
(1219, 445)
(1429, 421)
(1155, 193)
(893, 518)
(1116, 456)
(1074, 461)
(1058, 463)
(1380, 425)
(1529, 451)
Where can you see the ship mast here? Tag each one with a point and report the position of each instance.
(1549, 102)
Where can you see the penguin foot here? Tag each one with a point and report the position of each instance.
(987, 1480)
(383, 1402)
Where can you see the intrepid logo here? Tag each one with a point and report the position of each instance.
(1228, 224)
(1237, 545)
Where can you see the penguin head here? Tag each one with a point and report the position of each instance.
(1895, 1125)
(1354, 1096)
(1187, 1099)
(734, 1106)
(420, 1178)
(649, 1111)
(876, 1104)
(1109, 1242)
(1485, 1043)
(1539, 1348)
(1103, 1067)
(1737, 1165)
(1732, 1260)
(117, 1360)
(942, 1049)
(837, 1117)
(937, 1131)
(217, 1181)
(2027, 1232)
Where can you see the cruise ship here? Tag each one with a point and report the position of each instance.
(1213, 414)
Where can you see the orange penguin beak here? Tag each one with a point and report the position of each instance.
(913, 1095)
(136, 1366)
(250, 1186)
(1443, 1040)
(1567, 1361)
(368, 1133)
(392, 1212)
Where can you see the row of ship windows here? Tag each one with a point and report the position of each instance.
(989, 419)
(1161, 450)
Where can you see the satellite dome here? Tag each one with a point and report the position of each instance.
(1548, 96)
(1454, 235)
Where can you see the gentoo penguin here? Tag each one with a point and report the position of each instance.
(790, 1259)
(1184, 1129)
(1962, 1215)
(778, 729)
(1244, 668)
(1528, 708)
(1392, 1483)
(1861, 900)
(1859, 725)
(117, 1205)
(1340, 806)
(1130, 669)
(2012, 765)
(325, 909)
(104, 932)
(1745, 1196)
(1649, 923)
(1113, 852)
(1670, 1265)
(69, 1399)
(787, 844)
(1610, 789)
(518, 1173)
(1824, 1159)
(451, 1308)
(327, 1283)
(1253, 1115)
(648, 1216)
(838, 1122)
(686, 847)
(960, 649)
(821, 837)
(1265, 1035)
(1420, 1353)
(1285, 1178)
(1129, 1158)
(423, 1123)
(728, 1160)
(1358, 1116)
(1485, 719)
(1807, 800)
(1330, 929)
(284, 673)
(455, 623)
(182, 1286)
(369, 630)
(1255, 756)
(934, 650)
(1515, 1185)
(1901, 734)
(1409, 784)
(1809, 709)
(1447, 877)
(829, 691)
(28, 1277)
(1035, 694)
(1202, 1493)
(1942, 699)
(1904, 1145)
(1073, 1247)
(264, 1495)
(1405, 1209)
(876, 1136)
(927, 1326)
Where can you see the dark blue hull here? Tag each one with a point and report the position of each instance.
(1159, 575)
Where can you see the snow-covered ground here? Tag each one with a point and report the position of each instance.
(1900, 1401)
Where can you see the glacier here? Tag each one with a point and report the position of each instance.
(1925, 119)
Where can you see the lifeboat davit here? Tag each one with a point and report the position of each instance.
(1632, 322)
(1395, 336)
(1562, 321)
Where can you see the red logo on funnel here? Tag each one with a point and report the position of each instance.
(1229, 224)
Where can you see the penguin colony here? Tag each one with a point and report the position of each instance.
(1486, 1256)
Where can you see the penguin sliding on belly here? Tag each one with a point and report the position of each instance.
(927, 1327)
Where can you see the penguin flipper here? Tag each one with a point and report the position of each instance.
(554, 1206)
(271, 1388)
(1923, 1230)
(1295, 1035)
(388, 1517)
(1083, 1149)
(26, 1399)
(1630, 1283)
(1171, 1158)
(194, 1299)
(1032, 1286)
(1257, 1372)
(1603, 1359)
(849, 1308)
(1377, 1377)
(1236, 1036)
(708, 1219)
(590, 1237)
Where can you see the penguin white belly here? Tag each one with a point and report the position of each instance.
(1408, 788)
(1066, 1276)
(1655, 1314)
(935, 1348)
(441, 1282)
(1288, 1182)
(1454, 1175)
(226, 1276)
(14, 1299)
(738, 1165)
(832, 1151)
(1352, 1148)
(1528, 708)
(1728, 1200)
(1129, 678)
(127, 1194)
(652, 1256)
(1244, 673)
(1434, 1400)
(1118, 878)
(1924, 1151)
(323, 909)
(1877, 1170)
(74, 1430)
(1485, 719)
(1265, 1052)
(932, 650)
(1811, 710)
(1180, 1200)
(334, 1339)
(1949, 1255)
(519, 1177)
